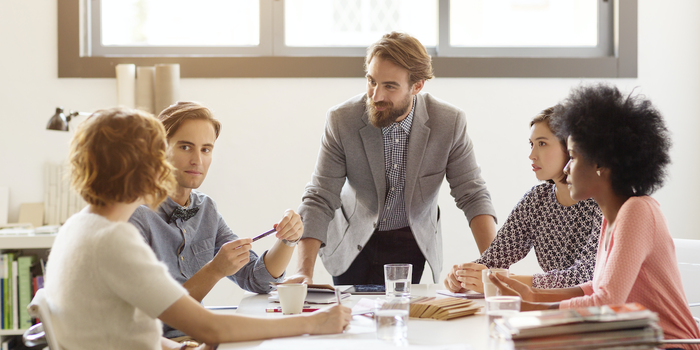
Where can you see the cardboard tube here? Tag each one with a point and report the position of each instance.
(145, 89)
(126, 85)
(167, 86)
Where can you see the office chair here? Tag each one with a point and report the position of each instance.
(40, 333)
(689, 265)
(688, 256)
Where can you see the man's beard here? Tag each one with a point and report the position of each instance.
(381, 119)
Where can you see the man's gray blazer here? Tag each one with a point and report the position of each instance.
(341, 205)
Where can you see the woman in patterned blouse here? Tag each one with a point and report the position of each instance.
(563, 232)
(618, 147)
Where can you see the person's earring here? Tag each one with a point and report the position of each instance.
(597, 172)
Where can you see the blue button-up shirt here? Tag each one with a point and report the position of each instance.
(186, 246)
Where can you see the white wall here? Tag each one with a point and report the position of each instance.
(272, 127)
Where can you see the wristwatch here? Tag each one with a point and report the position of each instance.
(188, 344)
(291, 243)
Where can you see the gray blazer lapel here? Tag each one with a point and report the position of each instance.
(416, 148)
(372, 141)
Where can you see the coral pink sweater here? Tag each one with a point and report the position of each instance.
(640, 266)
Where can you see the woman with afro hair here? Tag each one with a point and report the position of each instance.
(618, 152)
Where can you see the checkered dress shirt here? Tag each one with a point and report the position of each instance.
(395, 150)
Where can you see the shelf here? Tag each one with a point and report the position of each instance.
(43, 241)
(11, 331)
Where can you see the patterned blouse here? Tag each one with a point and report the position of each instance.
(565, 238)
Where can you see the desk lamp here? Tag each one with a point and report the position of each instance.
(60, 120)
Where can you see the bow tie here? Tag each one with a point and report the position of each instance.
(184, 214)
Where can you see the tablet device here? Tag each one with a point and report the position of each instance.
(367, 289)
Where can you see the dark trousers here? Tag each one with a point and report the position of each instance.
(384, 247)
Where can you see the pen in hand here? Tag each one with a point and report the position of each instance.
(337, 294)
(264, 234)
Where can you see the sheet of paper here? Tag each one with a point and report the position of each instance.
(363, 305)
(312, 297)
(361, 325)
(468, 295)
(325, 343)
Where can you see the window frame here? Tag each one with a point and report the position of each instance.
(622, 64)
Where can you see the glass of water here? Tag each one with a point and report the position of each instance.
(499, 307)
(397, 278)
(391, 319)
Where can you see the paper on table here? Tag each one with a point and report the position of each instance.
(363, 306)
(331, 342)
(468, 295)
(312, 297)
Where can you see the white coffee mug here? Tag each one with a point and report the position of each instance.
(291, 297)
(490, 289)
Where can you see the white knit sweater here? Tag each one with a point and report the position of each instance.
(105, 287)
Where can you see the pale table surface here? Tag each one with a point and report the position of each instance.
(469, 332)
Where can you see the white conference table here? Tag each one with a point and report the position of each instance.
(471, 331)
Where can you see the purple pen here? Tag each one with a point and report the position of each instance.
(264, 234)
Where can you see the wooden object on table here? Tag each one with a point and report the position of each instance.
(443, 308)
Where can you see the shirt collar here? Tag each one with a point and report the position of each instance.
(168, 205)
(405, 124)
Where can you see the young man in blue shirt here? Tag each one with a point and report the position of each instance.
(188, 233)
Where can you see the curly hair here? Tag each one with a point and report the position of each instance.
(625, 134)
(173, 117)
(118, 156)
(404, 51)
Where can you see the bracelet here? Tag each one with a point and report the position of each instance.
(291, 243)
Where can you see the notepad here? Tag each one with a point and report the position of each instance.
(313, 297)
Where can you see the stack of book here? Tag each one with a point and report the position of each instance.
(442, 308)
(628, 326)
(17, 287)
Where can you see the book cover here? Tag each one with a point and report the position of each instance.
(24, 265)
(9, 344)
(582, 320)
(2, 291)
(15, 296)
(7, 294)
(2, 303)
(39, 282)
(647, 336)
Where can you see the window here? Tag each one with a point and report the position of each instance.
(347, 27)
(528, 28)
(316, 38)
(177, 27)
